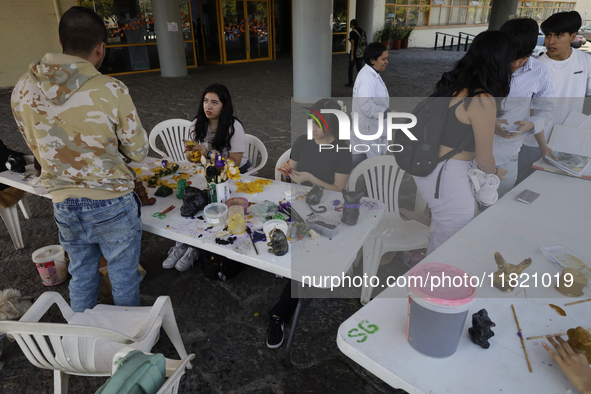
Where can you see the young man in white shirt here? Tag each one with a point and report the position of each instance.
(570, 70)
(531, 87)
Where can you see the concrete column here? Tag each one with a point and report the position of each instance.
(312, 49)
(371, 15)
(500, 12)
(171, 48)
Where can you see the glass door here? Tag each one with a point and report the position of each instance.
(245, 30)
(258, 44)
(234, 30)
(208, 34)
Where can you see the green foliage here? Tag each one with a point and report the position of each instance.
(104, 8)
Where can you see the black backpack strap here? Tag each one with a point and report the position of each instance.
(467, 139)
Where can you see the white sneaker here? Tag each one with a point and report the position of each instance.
(187, 260)
(485, 186)
(174, 254)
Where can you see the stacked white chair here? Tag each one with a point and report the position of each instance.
(87, 343)
(382, 178)
(254, 148)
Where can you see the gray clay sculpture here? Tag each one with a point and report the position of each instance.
(278, 242)
(351, 207)
(314, 197)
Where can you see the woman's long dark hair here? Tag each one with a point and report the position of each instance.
(486, 66)
(225, 130)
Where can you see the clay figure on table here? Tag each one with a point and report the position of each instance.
(278, 242)
(72, 116)
(217, 134)
(314, 197)
(481, 332)
(194, 200)
(310, 166)
(502, 277)
(574, 364)
(351, 207)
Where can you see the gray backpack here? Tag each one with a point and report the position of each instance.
(361, 45)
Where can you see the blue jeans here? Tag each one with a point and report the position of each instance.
(527, 156)
(89, 228)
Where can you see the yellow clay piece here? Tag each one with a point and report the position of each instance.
(253, 187)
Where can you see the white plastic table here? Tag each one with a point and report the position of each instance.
(30, 184)
(561, 215)
(320, 258)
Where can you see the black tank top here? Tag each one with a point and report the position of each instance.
(455, 131)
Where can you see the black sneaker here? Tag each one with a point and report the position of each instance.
(275, 336)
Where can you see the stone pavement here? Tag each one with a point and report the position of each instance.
(223, 323)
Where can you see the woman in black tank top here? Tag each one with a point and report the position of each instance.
(481, 79)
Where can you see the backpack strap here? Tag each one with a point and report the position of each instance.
(460, 148)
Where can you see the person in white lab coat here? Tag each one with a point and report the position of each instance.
(370, 99)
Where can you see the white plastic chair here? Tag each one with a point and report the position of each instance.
(86, 344)
(393, 234)
(172, 132)
(254, 146)
(282, 159)
(10, 218)
(175, 369)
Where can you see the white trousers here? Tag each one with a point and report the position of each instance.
(456, 205)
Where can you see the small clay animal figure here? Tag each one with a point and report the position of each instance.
(506, 272)
(278, 242)
(194, 200)
(351, 207)
(314, 197)
(140, 190)
(480, 332)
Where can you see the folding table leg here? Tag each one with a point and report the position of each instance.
(302, 304)
(10, 217)
(371, 263)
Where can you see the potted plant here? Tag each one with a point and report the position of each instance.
(405, 37)
(383, 35)
(396, 37)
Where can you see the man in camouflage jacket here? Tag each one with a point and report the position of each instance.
(81, 125)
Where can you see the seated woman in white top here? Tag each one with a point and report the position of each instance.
(214, 129)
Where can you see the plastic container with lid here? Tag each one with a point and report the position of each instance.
(51, 264)
(323, 226)
(216, 213)
(439, 296)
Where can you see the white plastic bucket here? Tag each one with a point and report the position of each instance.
(51, 264)
(437, 314)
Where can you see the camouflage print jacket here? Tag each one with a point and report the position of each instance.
(79, 125)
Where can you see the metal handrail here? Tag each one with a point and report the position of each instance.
(468, 37)
(445, 35)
